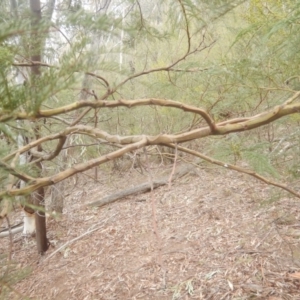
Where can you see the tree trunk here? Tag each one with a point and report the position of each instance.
(38, 196)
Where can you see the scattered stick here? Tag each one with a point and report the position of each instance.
(90, 230)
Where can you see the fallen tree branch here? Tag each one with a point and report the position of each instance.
(11, 230)
(143, 188)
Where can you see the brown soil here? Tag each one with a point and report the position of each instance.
(215, 234)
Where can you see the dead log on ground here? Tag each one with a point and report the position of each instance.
(142, 188)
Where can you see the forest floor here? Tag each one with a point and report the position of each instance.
(215, 234)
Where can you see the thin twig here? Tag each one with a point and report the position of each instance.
(155, 227)
(236, 168)
(90, 230)
(173, 169)
(10, 240)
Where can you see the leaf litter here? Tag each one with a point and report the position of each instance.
(221, 236)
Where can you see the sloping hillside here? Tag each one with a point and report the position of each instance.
(214, 235)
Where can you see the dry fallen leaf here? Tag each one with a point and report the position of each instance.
(230, 285)
(295, 275)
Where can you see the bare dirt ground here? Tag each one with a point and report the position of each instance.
(218, 235)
